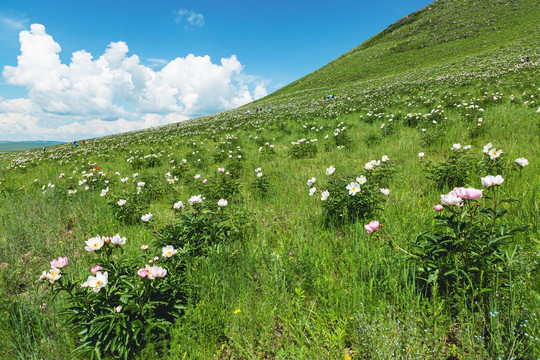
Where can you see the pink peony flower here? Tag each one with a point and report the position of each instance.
(142, 273)
(118, 308)
(467, 193)
(221, 169)
(451, 199)
(144, 247)
(96, 269)
(60, 263)
(372, 226)
(438, 207)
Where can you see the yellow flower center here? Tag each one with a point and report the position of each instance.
(98, 283)
(95, 245)
(169, 252)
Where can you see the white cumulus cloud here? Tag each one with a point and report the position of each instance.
(115, 92)
(190, 17)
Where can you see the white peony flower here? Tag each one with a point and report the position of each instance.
(491, 180)
(121, 202)
(353, 188)
(222, 202)
(522, 161)
(97, 282)
(451, 199)
(330, 170)
(117, 240)
(178, 205)
(147, 217)
(94, 243)
(195, 200)
(324, 195)
(361, 179)
(385, 191)
(168, 251)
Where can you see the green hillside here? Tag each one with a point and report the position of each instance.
(398, 220)
(446, 37)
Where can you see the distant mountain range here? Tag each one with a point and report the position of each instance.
(11, 146)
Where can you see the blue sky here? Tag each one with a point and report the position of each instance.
(91, 68)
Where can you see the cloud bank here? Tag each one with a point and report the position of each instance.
(113, 93)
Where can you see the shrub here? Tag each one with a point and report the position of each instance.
(124, 306)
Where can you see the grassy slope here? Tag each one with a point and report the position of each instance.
(306, 291)
(443, 32)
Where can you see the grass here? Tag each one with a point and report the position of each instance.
(290, 286)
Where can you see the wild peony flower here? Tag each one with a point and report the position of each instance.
(330, 170)
(121, 202)
(155, 272)
(324, 195)
(147, 217)
(95, 269)
(52, 275)
(99, 281)
(456, 146)
(494, 153)
(142, 273)
(522, 161)
(451, 199)
(438, 207)
(118, 308)
(311, 181)
(491, 180)
(421, 154)
(385, 158)
(117, 240)
(195, 200)
(60, 263)
(372, 226)
(467, 193)
(168, 251)
(353, 188)
(144, 247)
(222, 202)
(486, 148)
(361, 179)
(72, 192)
(104, 192)
(94, 243)
(385, 191)
(178, 205)
(312, 191)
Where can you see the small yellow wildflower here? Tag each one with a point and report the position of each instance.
(237, 311)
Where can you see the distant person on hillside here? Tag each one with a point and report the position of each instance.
(84, 142)
(527, 59)
(248, 112)
(522, 60)
(44, 148)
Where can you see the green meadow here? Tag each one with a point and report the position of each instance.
(329, 245)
